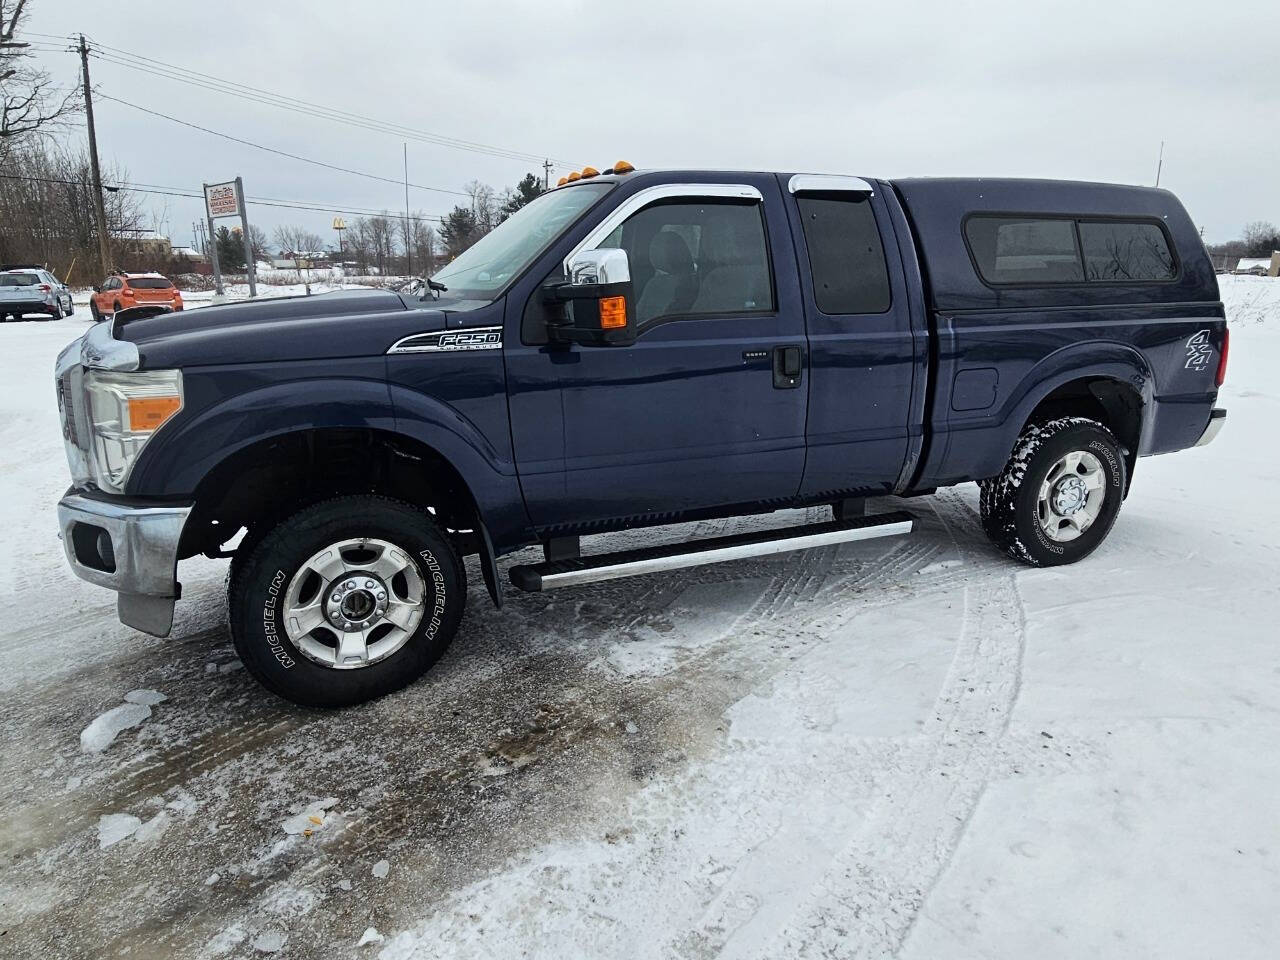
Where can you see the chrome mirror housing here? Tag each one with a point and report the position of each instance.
(600, 266)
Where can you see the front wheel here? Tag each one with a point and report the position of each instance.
(346, 601)
(1059, 494)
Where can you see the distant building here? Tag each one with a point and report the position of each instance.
(1260, 266)
(148, 243)
(189, 253)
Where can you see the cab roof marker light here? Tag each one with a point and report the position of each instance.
(589, 172)
(562, 181)
(574, 176)
(623, 167)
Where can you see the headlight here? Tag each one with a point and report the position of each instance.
(125, 411)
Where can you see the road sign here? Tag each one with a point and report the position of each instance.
(222, 199)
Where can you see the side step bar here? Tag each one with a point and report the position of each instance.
(675, 556)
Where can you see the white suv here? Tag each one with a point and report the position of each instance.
(29, 289)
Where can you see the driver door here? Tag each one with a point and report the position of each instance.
(692, 415)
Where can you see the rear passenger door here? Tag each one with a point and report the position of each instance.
(863, 355)
(691, 415)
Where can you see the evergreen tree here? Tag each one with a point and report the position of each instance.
(524, 191)
(230, 251)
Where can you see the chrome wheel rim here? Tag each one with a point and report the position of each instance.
(1071, 496)
(354, 603)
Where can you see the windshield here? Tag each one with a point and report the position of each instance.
(482, 270)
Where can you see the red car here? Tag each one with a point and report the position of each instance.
(121, 291)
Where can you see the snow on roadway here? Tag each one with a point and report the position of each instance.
(910, 748)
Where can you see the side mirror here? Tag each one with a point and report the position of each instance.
(96, 288)
(598, 301)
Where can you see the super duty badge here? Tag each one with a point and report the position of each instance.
(477, 338)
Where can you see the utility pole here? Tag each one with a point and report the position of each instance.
(1160, 163)
(546, 174)
(99, 209)
(408, 238)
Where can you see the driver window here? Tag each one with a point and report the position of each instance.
(699, 257)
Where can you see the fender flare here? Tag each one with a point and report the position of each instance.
(180, 456)
(1095, 360)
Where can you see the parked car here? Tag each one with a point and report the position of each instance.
(121, 291)
(25, 288)
(633, 349)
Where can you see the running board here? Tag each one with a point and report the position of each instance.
(676, 556)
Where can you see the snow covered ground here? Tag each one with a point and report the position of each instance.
(906, 748)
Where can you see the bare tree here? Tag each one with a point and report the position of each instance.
(1260, 238)
(484, 206)
(258, 243)
(300, 245)
(424, 246)
(31, 103)
(46, 209)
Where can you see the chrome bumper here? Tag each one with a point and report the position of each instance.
(131, 550)
(1217, 419)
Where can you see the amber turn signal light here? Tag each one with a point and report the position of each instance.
(148, 413)
(613, 313)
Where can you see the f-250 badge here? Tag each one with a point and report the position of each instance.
(1199, 351)
(473, 338)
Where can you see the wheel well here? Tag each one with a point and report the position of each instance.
(1113, 403)
(256, 487)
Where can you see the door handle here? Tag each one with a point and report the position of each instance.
(787, 367)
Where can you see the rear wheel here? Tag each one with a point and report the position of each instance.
(1059, 494)
(93, 311)
(346, 601)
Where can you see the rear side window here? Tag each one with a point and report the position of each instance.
(149, 283)
(1040, 251)
(846, 257)
(1114, 250)
(18, 279)
(1025, 250)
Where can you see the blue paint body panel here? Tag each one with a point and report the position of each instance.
(688, 421)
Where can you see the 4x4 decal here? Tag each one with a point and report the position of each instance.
(1199, 351)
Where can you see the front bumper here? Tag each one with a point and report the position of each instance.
(1217, 419)
(130, 549)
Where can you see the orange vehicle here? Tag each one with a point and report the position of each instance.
(120, 291)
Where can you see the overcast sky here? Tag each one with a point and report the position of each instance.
(943, 87)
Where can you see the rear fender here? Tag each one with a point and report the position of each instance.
(1094, 360)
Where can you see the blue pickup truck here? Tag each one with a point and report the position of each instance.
(635, 348)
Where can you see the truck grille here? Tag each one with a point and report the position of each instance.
(67, 409)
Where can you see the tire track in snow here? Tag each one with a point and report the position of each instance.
(867, 901)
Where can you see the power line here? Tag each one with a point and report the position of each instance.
(280, 153)
(257, 201)
(182, 74)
